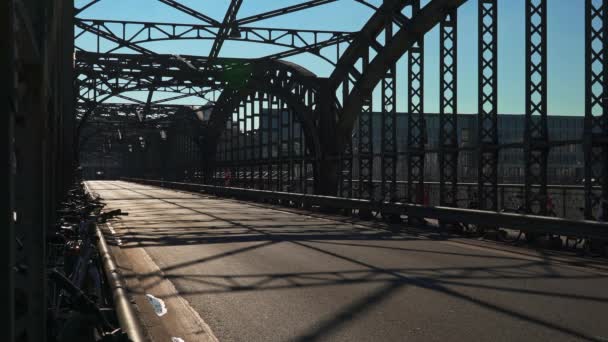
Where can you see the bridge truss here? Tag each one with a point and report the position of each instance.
(99, 89)
(275, 125)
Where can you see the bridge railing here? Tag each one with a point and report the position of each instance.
(530, 223)
(566, 201)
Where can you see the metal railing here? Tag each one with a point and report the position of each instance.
(530, 223)
(566, 201)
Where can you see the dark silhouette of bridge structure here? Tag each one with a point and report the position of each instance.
(266, 129)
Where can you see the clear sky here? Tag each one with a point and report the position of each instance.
(565, 45)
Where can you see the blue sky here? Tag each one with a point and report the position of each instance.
(565, 45)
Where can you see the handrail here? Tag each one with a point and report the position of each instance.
(124, 311)
(531, 223)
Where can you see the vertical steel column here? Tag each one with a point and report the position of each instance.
(299, 154)
(487, 120)
(388, 151)
(261, 137)
(224, 146)
(309, 155)
(290, 147)
(8, 145)
(234, 127)
(189, 149)
(366, 145)
(345, 176)
(269, 142)
(301, 151)
(284, 146)
(227, 170)
(243, 143)
(274, 142)
(346, 172)
(242, 161)
(32, 162)
(416, 125)
(30, 229)
(596, 97)
(536, 133)
(448, 109)
(366, 150)
(279, 159)
(252, 142)
(256, 141)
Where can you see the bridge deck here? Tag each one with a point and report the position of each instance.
(254, 273)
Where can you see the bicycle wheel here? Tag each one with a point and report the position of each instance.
(504, 236)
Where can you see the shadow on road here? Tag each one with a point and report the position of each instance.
(220, 225)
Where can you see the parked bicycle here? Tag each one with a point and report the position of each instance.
(79, 305)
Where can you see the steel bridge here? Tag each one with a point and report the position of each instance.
(104, 94)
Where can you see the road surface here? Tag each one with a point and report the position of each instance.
(229, 270)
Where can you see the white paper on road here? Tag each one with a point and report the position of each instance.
(158, 304)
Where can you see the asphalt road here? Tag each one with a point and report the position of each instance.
(254, 273)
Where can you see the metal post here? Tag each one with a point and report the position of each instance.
(8, 240)
(257, 138)
(596, 115)
(366, 149)
(270, 140)
(346, 172)
(290, 148)
(279, 159)
(30, 229)
(448, 109)
(487, 122)
(388, 150)
(536, 130)
(417, 135)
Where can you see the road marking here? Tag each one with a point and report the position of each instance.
(177, 339)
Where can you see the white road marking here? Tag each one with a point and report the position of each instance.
(177, 339)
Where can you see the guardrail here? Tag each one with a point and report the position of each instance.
(127, 318)
(567, 200)
(124, 311)
(530, 223)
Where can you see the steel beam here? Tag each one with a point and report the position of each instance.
(191, 12)
(226, 28)
(296, 40)
(536, 131)
(416, 124)
(346, 171)
(448, 109)
(596, 112)
(487, 117)
(84, 7)
(366, 146)
(8, 148)
(388, 138)
(282, 11)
